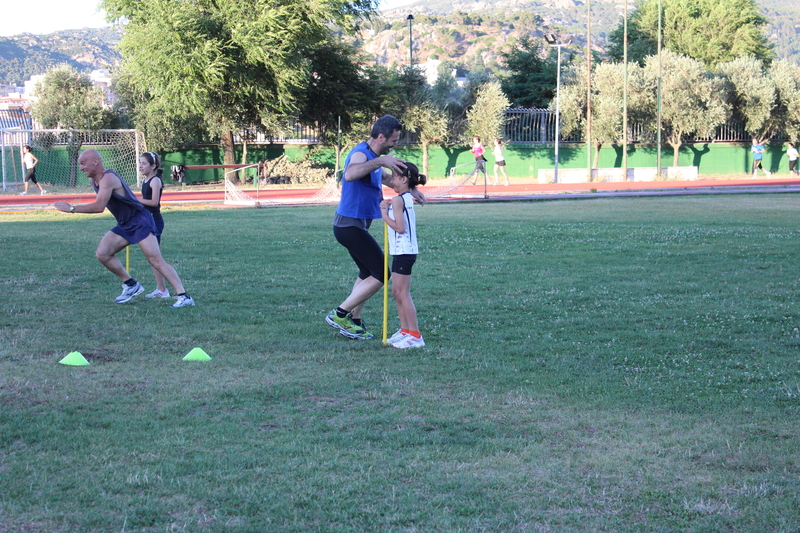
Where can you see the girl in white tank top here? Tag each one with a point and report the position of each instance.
(398, 214)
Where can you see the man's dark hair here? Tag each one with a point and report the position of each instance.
(385, 125)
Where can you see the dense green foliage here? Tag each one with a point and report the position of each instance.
(225, 64)
(619, 365)
(66, 99)
(531, 78)
(710, 31)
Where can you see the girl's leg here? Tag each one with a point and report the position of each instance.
(159, 280)
(401, 291)
(153, 254)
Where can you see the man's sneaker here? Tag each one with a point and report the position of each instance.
(183, 300)
(396, 337)
(129, 292)
(346, 326)
(409, 341)
(158, 294)
(43, 192)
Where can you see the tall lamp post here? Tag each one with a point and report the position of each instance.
(552, 41)
(410, 20)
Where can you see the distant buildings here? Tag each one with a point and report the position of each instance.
(12, 97)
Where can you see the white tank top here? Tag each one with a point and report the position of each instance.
(404, 243)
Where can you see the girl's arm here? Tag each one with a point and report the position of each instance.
(398, 206)
(155, 186)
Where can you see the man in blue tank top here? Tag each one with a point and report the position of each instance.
(135, 225)
(366, 169)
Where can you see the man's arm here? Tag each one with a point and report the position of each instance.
(359, 167)
(107, 185)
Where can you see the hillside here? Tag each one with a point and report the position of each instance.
(23, 56)
(473, 33)
(467, 33)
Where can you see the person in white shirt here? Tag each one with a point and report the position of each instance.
(30, 161)
(499, 161)
(398, 213)
(791, 153)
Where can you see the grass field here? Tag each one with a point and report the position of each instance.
(591, 365)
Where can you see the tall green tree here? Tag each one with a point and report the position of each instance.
(225, 64)
(710, 31)
(531, 81)
(431, 125)
(693, 102)
(66, 99)
(486, 118)
(339, 87)
(766, 99)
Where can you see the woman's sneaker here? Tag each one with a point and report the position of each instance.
(409, 341)
(158, 294)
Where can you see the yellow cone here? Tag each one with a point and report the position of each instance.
(74, 359)
(197, 354)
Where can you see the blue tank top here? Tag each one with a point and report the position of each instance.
(122, 207)
(362, 198)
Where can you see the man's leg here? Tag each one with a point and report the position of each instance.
(110, 245)
(363, 290)
(153, 254)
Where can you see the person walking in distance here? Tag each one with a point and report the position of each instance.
(398, 213)
(480, 161)
(792, 154)
(758, 155)
(366, 168)
(135, 225)
(30, 161)
(152, 186)
(499, 161)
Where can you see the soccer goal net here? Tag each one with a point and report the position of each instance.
(58, 151)
(235, 196)
(451, 187)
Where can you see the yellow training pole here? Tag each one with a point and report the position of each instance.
(128, 259)
(385, 280)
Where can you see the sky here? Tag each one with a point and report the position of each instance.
(48, 16)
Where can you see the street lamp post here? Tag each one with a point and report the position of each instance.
(410, 20)
(552, 41)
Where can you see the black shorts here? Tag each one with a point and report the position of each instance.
(364, 250)
(500, 163)
(31, 175)
(402, 264)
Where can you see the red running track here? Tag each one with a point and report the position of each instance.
(516, 189)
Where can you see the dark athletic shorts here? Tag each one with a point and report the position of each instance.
(364, 250)
(500, 163)
(402, 264)
(137, 228)
(30, 175)
(159, 220)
